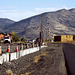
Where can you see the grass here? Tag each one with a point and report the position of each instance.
(27, 73)
(37, 58)
(9, 72)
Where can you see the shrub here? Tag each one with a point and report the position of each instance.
(15, 38)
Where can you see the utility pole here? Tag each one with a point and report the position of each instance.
(41, 31)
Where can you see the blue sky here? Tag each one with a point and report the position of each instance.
(20, 9)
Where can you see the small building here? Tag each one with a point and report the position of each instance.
(63, 38)
(3, 35)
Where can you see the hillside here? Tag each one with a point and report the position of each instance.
(4, 22)
(60, 22)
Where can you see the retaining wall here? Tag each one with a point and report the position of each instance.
(13, 56)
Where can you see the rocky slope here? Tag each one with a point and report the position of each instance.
(4, 22)
(59, 22)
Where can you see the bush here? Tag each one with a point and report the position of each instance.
(23, 39)
(15, 38)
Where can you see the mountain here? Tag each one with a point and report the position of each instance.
(4, 22)
(59, 22)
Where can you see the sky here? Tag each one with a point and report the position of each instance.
(21, 9)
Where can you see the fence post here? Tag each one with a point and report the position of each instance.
(0, 50)
(21, 47)
(33, 44)
(27, 45)
(36, 44)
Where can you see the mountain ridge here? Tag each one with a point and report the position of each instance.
(59, 22)
(5, 22)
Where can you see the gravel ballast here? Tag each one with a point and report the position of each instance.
(49, 61)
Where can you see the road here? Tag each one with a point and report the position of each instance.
(69, 52)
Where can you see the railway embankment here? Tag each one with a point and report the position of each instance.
(47, 61)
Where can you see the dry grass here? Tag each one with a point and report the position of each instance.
(37, 58)
(44, 53)
(9, 72)
(27, 73)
